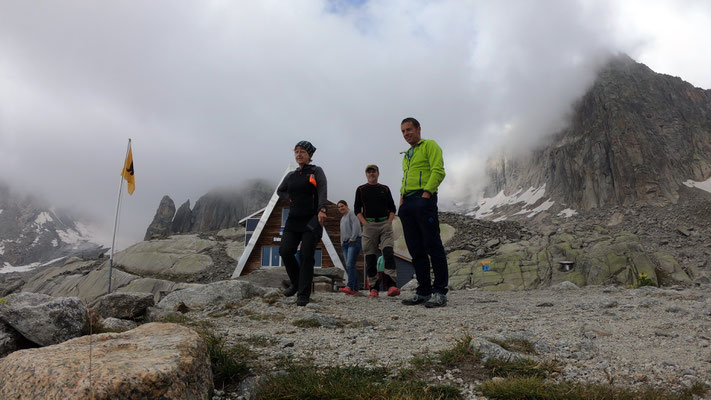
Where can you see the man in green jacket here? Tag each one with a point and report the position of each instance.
(423, 171)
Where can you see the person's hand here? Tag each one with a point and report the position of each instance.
(426, 195)
(321, 217)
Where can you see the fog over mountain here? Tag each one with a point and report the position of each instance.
(214, 94)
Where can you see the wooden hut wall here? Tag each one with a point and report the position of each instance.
(272, 229)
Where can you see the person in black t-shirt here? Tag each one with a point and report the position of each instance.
(375, 208)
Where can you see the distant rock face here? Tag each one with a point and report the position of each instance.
(153, 361)
(633, 138)
(161, 225)
(216, 210)
(183, 219)
(32, 232)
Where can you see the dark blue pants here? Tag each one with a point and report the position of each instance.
(420, 225)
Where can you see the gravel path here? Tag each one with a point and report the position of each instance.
(640, 336)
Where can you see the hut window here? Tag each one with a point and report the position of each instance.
(318, 258)
(270, 256)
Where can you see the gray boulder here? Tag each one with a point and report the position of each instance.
(211, 294)
(489, 350)
(117, 325)
(180, 255)
(43, 319)
(161, 225)
(125, 305)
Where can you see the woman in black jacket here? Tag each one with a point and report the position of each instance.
(306, 188)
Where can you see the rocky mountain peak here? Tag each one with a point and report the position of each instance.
(634, 138)
(32, 232)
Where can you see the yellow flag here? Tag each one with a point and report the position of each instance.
(127, 172)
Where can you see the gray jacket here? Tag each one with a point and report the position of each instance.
(350, 227)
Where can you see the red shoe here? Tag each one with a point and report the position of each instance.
(344, 289)
(393, 291)
(373, 293)
(351, 291)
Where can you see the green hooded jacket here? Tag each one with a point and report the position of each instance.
(424, 170)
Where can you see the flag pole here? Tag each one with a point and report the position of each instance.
(118, 203)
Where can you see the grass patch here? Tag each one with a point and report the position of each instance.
(515, 345)
(307, 323)
(228, 362)
(460, 353)
(355, 382)
(534, 388)
(519, 368)
(260, 341)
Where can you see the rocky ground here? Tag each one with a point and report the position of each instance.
(631, 337)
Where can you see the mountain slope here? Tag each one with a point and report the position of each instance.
(33, 233)
(634, 138)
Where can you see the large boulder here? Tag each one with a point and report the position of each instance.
(160, 227)
(158, 287)
(153, 361)
(72, 280)
(211, 294)
(180, 255)
(43, 319)
(266, 277)
(123, 305)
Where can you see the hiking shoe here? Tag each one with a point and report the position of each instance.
(373, 293)
(415, 299)
(393, 291)
(302, 301)
(344, 289)
(437, 300)
(290, 291)
(351, 291)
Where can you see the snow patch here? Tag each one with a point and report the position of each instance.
(7, 268)
(531, 196)
(2, 247)
(55, 243)
(69, 236)
(705, 185)
(567, 213)
(42, 218)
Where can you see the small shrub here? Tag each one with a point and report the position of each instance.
(307, 323)
(460, 352)
(306, 381)
(228, 365)
(644, 280)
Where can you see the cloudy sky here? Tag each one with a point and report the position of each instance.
(216, 92)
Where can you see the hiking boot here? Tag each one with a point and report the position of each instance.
(393, 291)
(290, 291)
(302, 301)
(415, 299)
(437, 300)
(373, 293)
